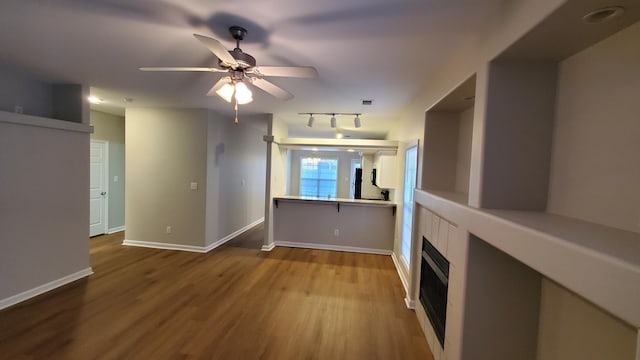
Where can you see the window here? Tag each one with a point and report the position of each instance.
(318, 176)
(410, 172)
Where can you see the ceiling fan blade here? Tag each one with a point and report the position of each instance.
(203, 69)
(272, 89)
(286, 71)
(218, 50)
(218, 85)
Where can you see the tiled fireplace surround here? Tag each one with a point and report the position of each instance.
(501, 308)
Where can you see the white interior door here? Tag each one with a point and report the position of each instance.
(98, 160)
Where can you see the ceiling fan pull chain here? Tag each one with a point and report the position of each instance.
(235, 121)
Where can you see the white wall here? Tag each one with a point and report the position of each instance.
(465, 129)
(597, 134)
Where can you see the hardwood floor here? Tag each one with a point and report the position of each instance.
(235, 302)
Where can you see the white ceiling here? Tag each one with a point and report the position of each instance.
(363, 49)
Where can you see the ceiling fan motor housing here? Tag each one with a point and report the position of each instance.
(244, 60)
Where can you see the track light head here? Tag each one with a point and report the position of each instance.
(333, 121)
(357, 122)
(311, 119)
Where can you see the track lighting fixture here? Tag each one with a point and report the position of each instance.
(333, 121)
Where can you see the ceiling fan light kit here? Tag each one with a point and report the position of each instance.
(226, 92)
(240, 66)
(243, 94)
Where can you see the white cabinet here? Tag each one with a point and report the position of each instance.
(385, 164)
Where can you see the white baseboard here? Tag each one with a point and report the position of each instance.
(164, 246)
(233, 235)
(115, 229)
(411, 304)
(12, 300)
(401, 274)
(333, 247)
(191, 248)
(268, 247)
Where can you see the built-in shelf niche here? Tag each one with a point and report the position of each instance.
(560, 126)
(552, 173)
(447, 144)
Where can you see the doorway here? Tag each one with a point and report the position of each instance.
(98, 187)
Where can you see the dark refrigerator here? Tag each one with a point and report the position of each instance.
(357, 192)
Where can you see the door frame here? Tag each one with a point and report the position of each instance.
(105, 206)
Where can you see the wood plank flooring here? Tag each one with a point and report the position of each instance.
(235, 302)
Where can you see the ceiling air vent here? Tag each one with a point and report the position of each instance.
(367, 102)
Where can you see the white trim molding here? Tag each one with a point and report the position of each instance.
(401, 274)
(333, 247)
(233, 235)
(411, 304)
(268, 247)
(164, 246)
(115, 230)
(25, 295)
(192, 248)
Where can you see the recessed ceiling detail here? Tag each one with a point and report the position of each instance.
(603, 14)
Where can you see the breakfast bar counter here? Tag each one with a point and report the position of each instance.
(341, 224)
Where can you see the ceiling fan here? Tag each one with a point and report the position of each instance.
(242, 67)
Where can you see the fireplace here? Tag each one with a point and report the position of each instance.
(434, 283)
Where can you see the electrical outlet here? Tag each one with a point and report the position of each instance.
(194, 186)
(17, 109)
(169, 229)
(336, 232)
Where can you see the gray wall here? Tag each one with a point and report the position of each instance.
(44, 189)
(236, 168)
(44, 207)
(110, 128)
(344, 169)
(65, 102)
(166, 151)
(20, 88)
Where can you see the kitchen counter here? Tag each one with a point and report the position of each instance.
(347, 201)
(354, 225)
